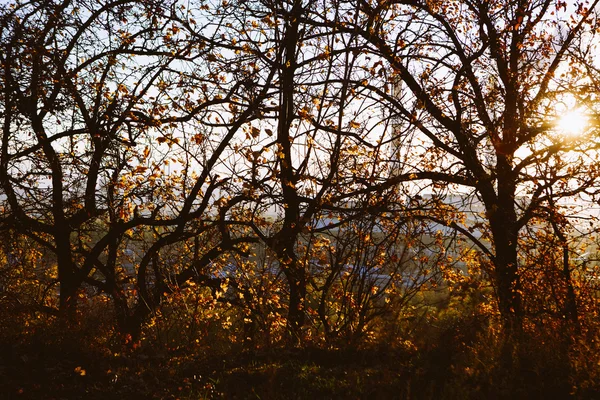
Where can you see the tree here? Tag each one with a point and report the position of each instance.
(146, 145)
(95, 108)
(303, 151)
(479, 83)
(69, 122)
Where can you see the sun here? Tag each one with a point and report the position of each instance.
(573, 122)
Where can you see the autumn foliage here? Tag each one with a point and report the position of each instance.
(372, 199)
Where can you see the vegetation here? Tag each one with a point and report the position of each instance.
(295, 199)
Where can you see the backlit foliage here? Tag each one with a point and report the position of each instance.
(202, 177)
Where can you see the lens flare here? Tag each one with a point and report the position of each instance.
(572, 123)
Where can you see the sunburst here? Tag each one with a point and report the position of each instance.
(573, 122)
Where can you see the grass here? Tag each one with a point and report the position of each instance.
(66, 372)
(47, 366)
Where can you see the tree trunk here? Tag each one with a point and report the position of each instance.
(66, 277)
(284, 243)
(68, 297)
(296, 316)
(570, 307)
(503, 224)
(571, 302)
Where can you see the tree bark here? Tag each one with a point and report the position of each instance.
(503, 223)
